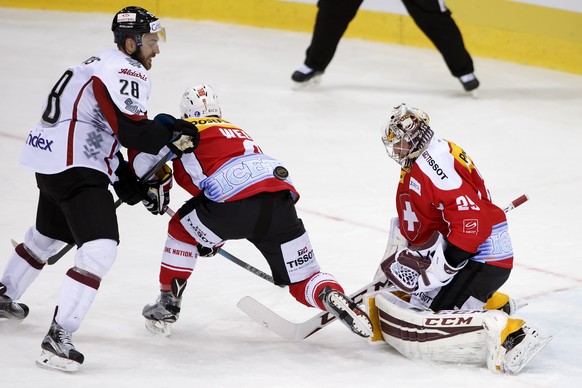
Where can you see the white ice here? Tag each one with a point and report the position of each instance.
(523, 131)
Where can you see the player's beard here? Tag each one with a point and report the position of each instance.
(146, 62)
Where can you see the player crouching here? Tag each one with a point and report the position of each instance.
(470, 336)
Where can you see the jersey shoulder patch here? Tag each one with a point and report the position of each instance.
(461, 156)
(437, 164)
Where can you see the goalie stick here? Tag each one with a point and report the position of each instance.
(54, 258)
(299, 331)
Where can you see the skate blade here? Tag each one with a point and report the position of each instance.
(360, 324)
(515, 369)
(313, 83)
(159, 327)
(51, 361)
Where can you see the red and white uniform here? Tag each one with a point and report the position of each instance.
(445, 192)
(226, 166)
(79, 125)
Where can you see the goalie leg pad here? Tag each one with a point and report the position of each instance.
(455, 336)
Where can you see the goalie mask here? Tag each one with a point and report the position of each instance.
(134, 22)
(200, 101)
(406, 134)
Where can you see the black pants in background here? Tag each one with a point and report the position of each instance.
(334, 16)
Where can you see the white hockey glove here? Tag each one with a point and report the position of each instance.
(185, 134)
(422, 269)
(158, 194)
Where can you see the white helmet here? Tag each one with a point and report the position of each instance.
(406, 135)
(200, 101)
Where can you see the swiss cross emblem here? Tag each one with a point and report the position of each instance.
(409, 222)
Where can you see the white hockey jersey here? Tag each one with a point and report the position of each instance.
(79, 127)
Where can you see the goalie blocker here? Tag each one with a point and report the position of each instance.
(482, 337)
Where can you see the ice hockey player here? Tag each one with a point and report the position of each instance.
(92, 109)
(455, 249)
(238, 192)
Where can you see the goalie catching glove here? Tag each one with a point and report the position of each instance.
(421, 269)
(158, 191)
(185, 137)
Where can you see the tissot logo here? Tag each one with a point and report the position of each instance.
(40, 143)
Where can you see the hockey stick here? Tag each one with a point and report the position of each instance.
(238, 261)
(149, 173)
(299, 331)
(515, 203)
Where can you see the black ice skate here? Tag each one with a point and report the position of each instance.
(306, 76)
(469, 82)
(58, 351)
(11, 310)
(346, 311)
(165, 310)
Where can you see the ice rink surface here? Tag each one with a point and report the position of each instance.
(523, 132)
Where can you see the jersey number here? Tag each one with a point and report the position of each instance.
(133, 86)
(53, 107)
(465, 203)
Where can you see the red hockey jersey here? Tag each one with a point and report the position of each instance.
(226, 166)
(444, 191)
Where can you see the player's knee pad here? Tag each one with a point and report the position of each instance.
(96, 257)
(40, 246)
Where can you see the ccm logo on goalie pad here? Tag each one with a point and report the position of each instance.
(432, 328)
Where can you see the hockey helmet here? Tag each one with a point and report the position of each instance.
(200, 101)
(134, 22)
(406, 135)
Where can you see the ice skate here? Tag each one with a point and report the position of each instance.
(529, 344)
(470, 83)
(306, 77)
(11, 310)
(166, 309)
(510, 353)
(346, 311)
(58, 351)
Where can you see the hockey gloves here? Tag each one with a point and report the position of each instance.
(422, 268)
(158, 191)
(185, 134)
(127, 187)
(208, 252)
